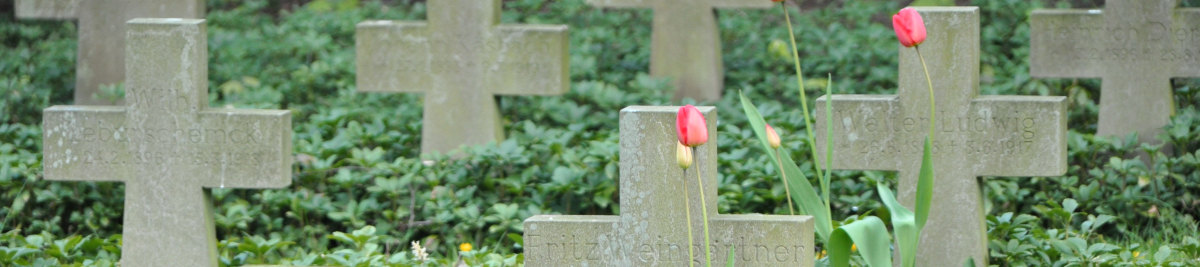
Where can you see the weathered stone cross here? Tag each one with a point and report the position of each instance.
(1133, 46)
(685, 45)
(101, 50)
(975, 135)
(167, 145)
(651, 230)
(460, 60)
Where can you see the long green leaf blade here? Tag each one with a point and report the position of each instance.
(904, 225)
(925, 185)
(803, 193)
(729, 261)
(869, 234)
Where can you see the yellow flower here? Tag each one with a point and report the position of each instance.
(1136, 253)
(683, 155)
(465, 247)
(853, 247)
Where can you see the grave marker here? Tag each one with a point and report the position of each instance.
(975, 135)
(461, 59)
(47, 9)
(167, 145)
(101, 50)
(1134, 47)
(651, 231)
(685, 45)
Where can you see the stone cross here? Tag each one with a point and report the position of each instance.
(1133, 46)
(101, 48)
(651, 229)
(167, 145)
(975, 135)
(47, 9)
(685, 45)
(461, 59)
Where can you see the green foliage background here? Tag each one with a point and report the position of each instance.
(361, 192)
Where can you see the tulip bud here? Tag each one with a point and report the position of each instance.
(683, 155)
(909, 26)
(772, 137)
(690, 126)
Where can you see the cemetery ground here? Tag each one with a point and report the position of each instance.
(361, 191)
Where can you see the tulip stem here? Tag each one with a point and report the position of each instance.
(800, 83)
(930, 82)
(688, 212)
(786, 188)
(703, 213)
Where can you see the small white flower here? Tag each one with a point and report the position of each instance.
(419, 252)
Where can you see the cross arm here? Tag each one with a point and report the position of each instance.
(1066, 43)
(244, 148)
(742, 3)
(557, 240)
(1017, 135)
(622, 3)
(1187, 25)
(393, 56)
(529, 59)
(863, 134)
(84, 143)
(47, 9)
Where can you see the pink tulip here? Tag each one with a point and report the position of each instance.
(690, 126)
(909, 26)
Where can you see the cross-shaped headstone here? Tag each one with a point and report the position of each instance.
(167, 145)
(101, 49)
(46, 9)
(975, 135)
(685, 45)
(651, 229)
(1133, 46)
(461, 59)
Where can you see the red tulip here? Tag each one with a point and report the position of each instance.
(690, 126)
(909, 26)
(772, 137)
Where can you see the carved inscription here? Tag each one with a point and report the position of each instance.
(1126, 42)
(569, 248)
(997, 134)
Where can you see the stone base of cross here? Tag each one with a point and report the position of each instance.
(652, 227)
(974, 136)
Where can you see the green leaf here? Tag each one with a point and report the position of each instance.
(1069, 205)
(729, 261)
(904, 224)
(803, 193)
(1163, 253)
(869, 234)
(828, 141)
(924, 185)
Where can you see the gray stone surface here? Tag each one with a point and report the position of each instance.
(1134, 47)
(167, 145)
(102, 39)
(461, 59)
(46, 9)
(975, 135)
(685, 45)
(651, 229)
